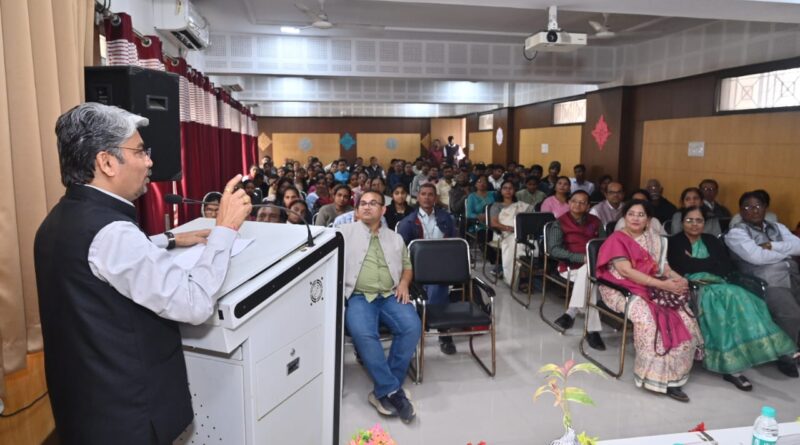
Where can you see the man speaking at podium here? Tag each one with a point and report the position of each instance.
(110, 299)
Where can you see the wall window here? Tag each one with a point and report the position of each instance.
(774, 89)
(486, 122)
(572, 112)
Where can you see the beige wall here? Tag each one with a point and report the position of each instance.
(742, 152)
(442, 128)
(325, 146)
(483, 147)
(377, 144)
(564, 145)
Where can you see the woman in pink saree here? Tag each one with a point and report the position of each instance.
(666, 340)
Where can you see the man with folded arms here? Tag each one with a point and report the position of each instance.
(110, 298)
(377, 274)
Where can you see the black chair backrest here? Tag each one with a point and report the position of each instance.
(592, 250)
(529, 226)
(667, 226)
(724, 224)
(610, 228)
(440, 261)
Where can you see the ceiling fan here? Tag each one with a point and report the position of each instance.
(602, 30)
(318, 19)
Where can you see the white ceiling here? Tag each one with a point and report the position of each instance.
(373, 39)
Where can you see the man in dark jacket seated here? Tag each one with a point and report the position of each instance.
(430, 222)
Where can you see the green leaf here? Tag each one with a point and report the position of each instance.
(552, 370)
(584, 439)
(542, 389)
(589, 368)
(577, 395)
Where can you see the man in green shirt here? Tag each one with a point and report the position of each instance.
(531, 193)
(377, 276)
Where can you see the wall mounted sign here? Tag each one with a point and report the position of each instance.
(601, 132)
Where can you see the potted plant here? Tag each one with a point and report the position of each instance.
(557, 377)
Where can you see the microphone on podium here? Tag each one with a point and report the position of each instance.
(178, 199)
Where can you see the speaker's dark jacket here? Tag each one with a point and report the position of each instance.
(115, 370)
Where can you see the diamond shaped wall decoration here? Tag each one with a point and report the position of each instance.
(347, 141)
(601, 132)
(305, 144)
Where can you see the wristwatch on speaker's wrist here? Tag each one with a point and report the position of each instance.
(170, 240)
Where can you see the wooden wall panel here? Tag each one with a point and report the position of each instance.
(608, 105)
(299, 146)
(564, 145)
(482, 150)
(406, 146)
(442, 128)
(342, 125)
(742, 152)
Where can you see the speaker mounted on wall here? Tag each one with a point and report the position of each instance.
(148, 93)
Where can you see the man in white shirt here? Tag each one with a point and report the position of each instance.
(579, 182)
(444, 185)
(110, 298)
(765, 249)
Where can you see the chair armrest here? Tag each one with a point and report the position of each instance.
(752, 283)
(483, 286)
(623, 290)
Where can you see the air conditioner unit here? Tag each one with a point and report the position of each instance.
(180, 20)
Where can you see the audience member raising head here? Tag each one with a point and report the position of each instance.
(299, 213)
(531, 193)
(340, 205)
(397, 208)
(709, 188)
(579, 182)
(269, 214)
(211, 204)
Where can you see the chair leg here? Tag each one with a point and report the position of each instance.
(585, 353)
(421, 347)
(566, 294)
(514, 275)
(493, 370)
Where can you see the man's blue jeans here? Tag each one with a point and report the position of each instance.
(362, 320)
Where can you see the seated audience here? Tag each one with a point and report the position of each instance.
(289, 196)
(269, 214)
(341, 204)
(376, 281)
(691, 197)
(737, 328)
(769, 216)
(374, 170)
(765, 249)
(419, 179)
(567, 238)
(579, 182)
(444, 185)
(599, 193)
(709, 189)
(211, 204)
(667, 339)
(557, 202)
(378, 184)
(609, 209)
(299, 213)
(662, 208)
(654, 226)
(496, 177)
(408, 175)
(341, 175)
(396, 175)
(502, 214)
(531, 194)
(398, 208)
(477, 202)
(459, 193)
(548, 184)
(319, 197)
(431, 222)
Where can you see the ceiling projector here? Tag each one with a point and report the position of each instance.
(554, 39)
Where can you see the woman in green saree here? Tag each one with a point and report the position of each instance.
(737, 328)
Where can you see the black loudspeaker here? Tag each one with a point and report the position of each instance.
(148, 93)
